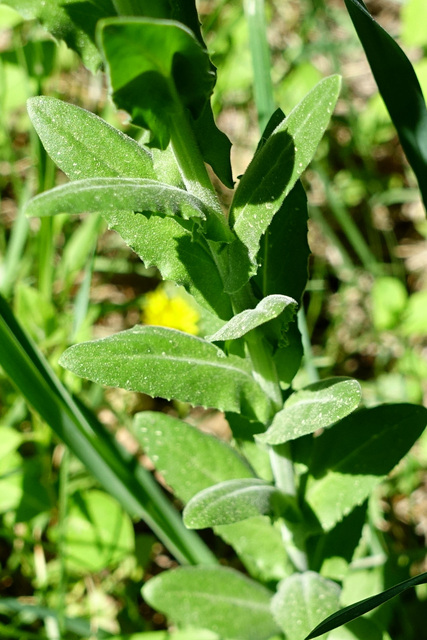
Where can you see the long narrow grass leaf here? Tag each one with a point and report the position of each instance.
(353, 611)
(115, 469)
(399, 87)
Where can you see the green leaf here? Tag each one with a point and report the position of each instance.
(399, 87)
(85, 146)
(360, 608)
(231, 501)
(95, 150)
(98, 534)
(284, 250)
(269, 308)
(170, 364)
(219, 599)
(111, 194)
(156, 68)
(350, 459)
(259, 544)
(301, 600)
(188, 459)
(278, 165)
(318, 406)
(64, 21)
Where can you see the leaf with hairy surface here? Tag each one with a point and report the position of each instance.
(170, 364)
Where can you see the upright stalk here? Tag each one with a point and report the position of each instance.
(263, 364)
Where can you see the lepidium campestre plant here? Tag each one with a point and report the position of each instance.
(290, 492)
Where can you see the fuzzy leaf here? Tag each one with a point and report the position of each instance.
(259, 544)
(275, 169)
(301, 600)
(170, 364)
(95, 150)
(357, 609)
(243, 322)
(231, 501)
(188, 459)
(350, 459)
(156, 67)
(317, 406)
(216, 598)
(85, 146)
(112, 194)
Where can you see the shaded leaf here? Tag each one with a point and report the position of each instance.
(111, 194)
(284, 250)
(360, 608)
(259, 544)
(269, 308)
(170, 364)
(399, 87)
(231, 501)
(350, 459)
(188, 459)
(301, 600)
(218, 598)
(317, 406)
(156, 68)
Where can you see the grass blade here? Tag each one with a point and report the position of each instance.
(353, 611)
(115, 469)
(399, 87)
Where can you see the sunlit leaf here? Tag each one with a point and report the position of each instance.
(317, 406)
(269, 308)
(112, 194)
(231, 501)
(170, 364)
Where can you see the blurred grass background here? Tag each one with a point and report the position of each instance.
(64, 564)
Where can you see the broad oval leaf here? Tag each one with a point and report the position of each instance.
(275, 169)
(215, 598)
(399, 88)
(269, 308)
(112, 194)
(320, 405)
(170, 364)
(85, 146)
(231, 501)
(357, 609)
(301, 600)
(350, 459)
(188, 459)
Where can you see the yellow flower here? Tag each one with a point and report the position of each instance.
(171, 311)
